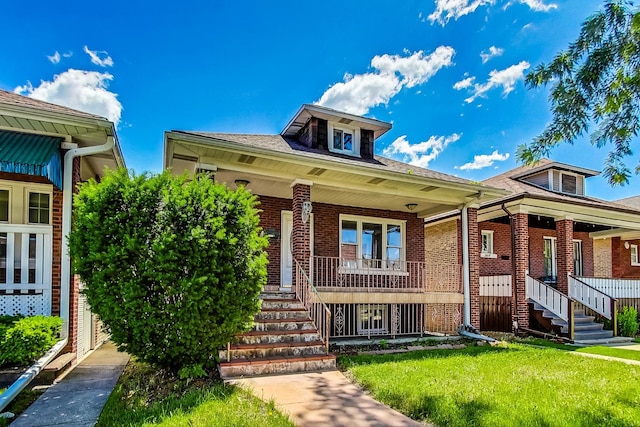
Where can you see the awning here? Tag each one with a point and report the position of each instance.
(31, 154)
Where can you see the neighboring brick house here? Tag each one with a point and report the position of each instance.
(34, 137)
(363, 245)
(555, 230)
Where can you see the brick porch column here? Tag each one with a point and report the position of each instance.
(301, 234)
(520, 310)
(617, 257)
(564, 231)
(74, 281)
(474, 266)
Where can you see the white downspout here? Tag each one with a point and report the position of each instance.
(466, 286)
(65, 271)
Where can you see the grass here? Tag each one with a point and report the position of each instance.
(510, 385)
(142, 397)
(618, 352)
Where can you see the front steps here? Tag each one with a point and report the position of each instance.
(585, 328)
(283, 340)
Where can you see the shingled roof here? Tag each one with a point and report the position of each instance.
(11, 98)
(280, 144)
(632, 202)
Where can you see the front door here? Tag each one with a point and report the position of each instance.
(286, 249)
(286, 246)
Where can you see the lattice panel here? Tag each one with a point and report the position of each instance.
(26, 304)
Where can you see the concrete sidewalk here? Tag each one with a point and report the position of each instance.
(324, 399)
(78, 399)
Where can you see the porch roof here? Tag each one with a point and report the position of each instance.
(338, 179)
(31, 154)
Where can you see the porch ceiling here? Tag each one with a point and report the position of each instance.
(359, 187)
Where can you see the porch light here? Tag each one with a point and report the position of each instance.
(307, 207)
(626, 245)
(241, 183)
(411, 206)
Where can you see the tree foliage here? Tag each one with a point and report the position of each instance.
(173, 267)
(595, 83)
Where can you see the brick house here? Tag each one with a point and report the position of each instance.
(34, 274)
(344, 220)
(564, 242)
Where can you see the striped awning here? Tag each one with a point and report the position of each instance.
(31, 154)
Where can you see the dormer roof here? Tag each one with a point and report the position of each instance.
(308, 111)
(546, 164)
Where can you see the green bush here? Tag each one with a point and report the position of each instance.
(628, 322)
(173, 267)
(27, 339)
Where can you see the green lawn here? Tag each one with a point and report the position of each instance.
(619, 352)
(514, 385)
(143, 399)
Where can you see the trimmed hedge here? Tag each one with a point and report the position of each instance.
(24, 340)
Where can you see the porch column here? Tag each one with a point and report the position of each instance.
(564, 231)
(520, 311)
(74, 281)
(301, 235)
(474, 267)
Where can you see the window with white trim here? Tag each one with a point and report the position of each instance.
(486, 244)
(344, 139)
(39, 208)
(634, 255)
(372, 319)
(371, 242)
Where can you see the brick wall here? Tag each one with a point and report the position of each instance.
(522, 239)
(301, 235)
(74, 281)
(602, 261)
(474, 267)
(621, 259)
(501, 247)
(270, 217)
(441, 243)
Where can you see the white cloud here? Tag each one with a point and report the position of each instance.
(506, 79)
(492, 53)
(422, 153)
(447, 9)
(99, 57)
(358, 93)
(464, 83)
(55, 58)
(539, 5)
(68, 54)
(481, 161)
(78, 89)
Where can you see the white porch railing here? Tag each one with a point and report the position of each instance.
(616, 288)
(591, 297)
(318, 311)
(495, 286)
(549, 298)
(25, 269)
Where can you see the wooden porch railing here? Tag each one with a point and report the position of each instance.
(554, 301)
(25, 269)
(334, 273)
(616, 288)
(591, 297)
(318, 311)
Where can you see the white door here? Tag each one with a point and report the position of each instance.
(286, 244)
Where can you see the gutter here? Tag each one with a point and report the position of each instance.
(65, 270)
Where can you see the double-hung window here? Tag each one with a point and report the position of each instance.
(486, 249)
(372, 242)
(635, 260)
(344, 140)
(39, 208)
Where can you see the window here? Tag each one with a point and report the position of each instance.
(372, 318)
(4, 205)
(550, 250)
(38, 208)
(634, 255)
(344, 140)
(577, 257)
(371, 242)
(486, 249)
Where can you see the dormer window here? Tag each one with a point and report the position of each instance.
(568, 183)
(344, 139)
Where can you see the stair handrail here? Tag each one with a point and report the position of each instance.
(551, 299)
(590, 297)
(318, 311)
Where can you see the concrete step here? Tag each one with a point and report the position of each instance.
(604, 341)
(264, 337)
(277, 365)
(271, 288)
(586, 327)
(273, 303)
(283, 313)
(592, 335)
(583, 319)
(278, 295)
(282, 324)
(253, 351)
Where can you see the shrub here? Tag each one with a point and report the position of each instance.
(173, 267)
(28, 338)
(628, 322)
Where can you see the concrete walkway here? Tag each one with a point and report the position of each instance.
(324, 399)
(78, 399)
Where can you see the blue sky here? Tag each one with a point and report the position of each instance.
(447, 73)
